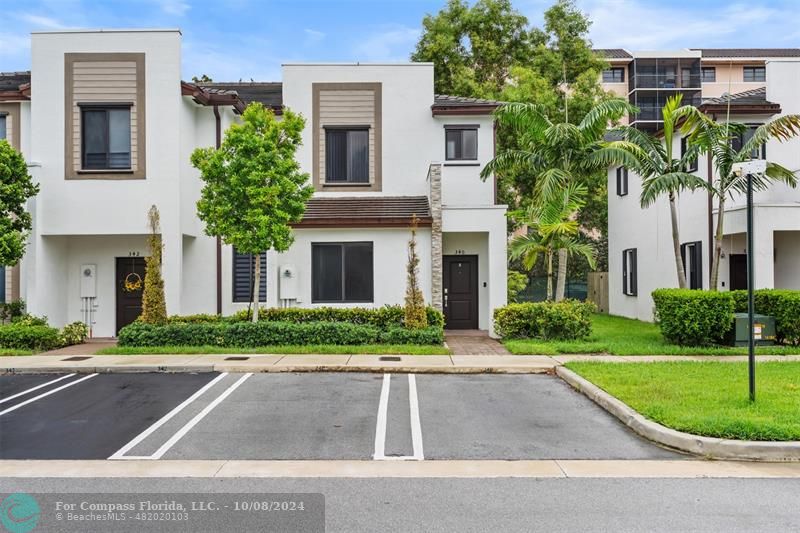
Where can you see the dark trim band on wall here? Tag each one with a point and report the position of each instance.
(140, 171)
(461, 126)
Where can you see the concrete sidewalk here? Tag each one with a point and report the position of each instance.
(454, 364)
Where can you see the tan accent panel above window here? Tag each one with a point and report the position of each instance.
(104, 78)
(11, 112)
(347, 104)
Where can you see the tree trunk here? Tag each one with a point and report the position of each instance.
(676, 242)
(549, 295)
(561, 282)
(714, 283)
(256, 285)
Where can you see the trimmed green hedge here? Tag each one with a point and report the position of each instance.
(29, 337)
(693, 318)
(783, 304)
(565, 320)
(383, 318)
(251, 335)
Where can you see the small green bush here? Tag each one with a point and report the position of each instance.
(29, 320)
(565, 320)
(264, 333)
(196, 319)
(382, 317)
(20, 336)
(12, 310)
(783, 304)
(693, 318)
(74, 333)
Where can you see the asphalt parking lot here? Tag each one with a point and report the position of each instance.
(307, 416)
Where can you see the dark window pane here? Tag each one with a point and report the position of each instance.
(358, 156)
(326, 268)
(709, 74)
(244, 276)
(119, 138)
(95, 139)
(453, 144)
(358, 279)
(335, 155)
(469, 139)
(461, 144)
(3, 127)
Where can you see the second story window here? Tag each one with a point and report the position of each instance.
(106, 137)
(346, 155)
(3, 127)
(461, 143)
(708, 74)
(614, 75)
(755, 73)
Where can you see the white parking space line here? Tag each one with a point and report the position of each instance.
(119, 454)
(416, 426)
(48, 393)
(189, 425)
(380, 426)
(37, 387)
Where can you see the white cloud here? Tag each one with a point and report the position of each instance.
(174, 7)
(388, 43)
(313, 36)
(39, 22)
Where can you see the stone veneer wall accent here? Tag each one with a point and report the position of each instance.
(435, 180)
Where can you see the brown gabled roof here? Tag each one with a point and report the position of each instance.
(366, 211)
(444, 104)
(15, 85)
(753, 101)
(712, 53)
(613, 53)
(269, 93)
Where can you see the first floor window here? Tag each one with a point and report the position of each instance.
(244, 270)
(755, 73)
(629, 272)
(3, 127)
(614, 75)
(461, 143)
(622, 181)
(106, 137)
(708, 74)
(347, 155)
(692, 255)
(740, 140)
(342, 272)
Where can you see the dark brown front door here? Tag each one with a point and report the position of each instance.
(460, 291)
(129, 302)
(738, 277)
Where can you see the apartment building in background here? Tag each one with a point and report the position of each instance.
(751, 86)
(107, 127)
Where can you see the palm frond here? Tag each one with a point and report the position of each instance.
(782, 129)
(672, 182)
(596, 121)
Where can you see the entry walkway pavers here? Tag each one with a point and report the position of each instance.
(471, 342)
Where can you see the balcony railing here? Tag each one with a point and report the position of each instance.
(665, 81)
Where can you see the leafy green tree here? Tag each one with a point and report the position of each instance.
(559, 154)
(662, 173)
(254, 188)
(517, 281)
(154, 306)
(552, 228)
(16, 187)
(722, 141)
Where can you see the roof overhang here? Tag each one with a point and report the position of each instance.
(444, 110)
(746, 109)
(209, 98)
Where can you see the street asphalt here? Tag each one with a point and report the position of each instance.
(497, 504)
(314, 416)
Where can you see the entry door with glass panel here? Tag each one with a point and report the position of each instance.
(460, 298)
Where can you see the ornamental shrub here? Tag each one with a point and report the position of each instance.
(565, 320)
(382, 317)
(693, 318)
(18, 336)
(783, 304)
(74, 333)
(154, 306)
(415, 316)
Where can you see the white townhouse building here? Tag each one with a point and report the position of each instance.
(107, 127)
(641, 257)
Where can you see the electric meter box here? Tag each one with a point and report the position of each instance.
(88, 281)
(763, 330)
(288, 283)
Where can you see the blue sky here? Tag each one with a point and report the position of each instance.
(243, 39)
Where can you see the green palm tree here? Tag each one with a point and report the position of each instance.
(662, 172)
(718, 139)
(558, 154)
(552, 228)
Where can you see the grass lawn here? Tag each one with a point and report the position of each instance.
(9, 351)
(402, 349)
(623, 336)
(707, 398)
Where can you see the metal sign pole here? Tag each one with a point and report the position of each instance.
(751, 342)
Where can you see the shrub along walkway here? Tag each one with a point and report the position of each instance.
(90, 347)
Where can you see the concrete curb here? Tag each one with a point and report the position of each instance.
(709, 447)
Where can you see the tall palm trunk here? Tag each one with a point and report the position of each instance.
(562, 274)
(676, 241)
(256, 285)
(714, 283)
(549, 295)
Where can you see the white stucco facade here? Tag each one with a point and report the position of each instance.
(79, 222)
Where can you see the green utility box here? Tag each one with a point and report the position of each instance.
(763, 325)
